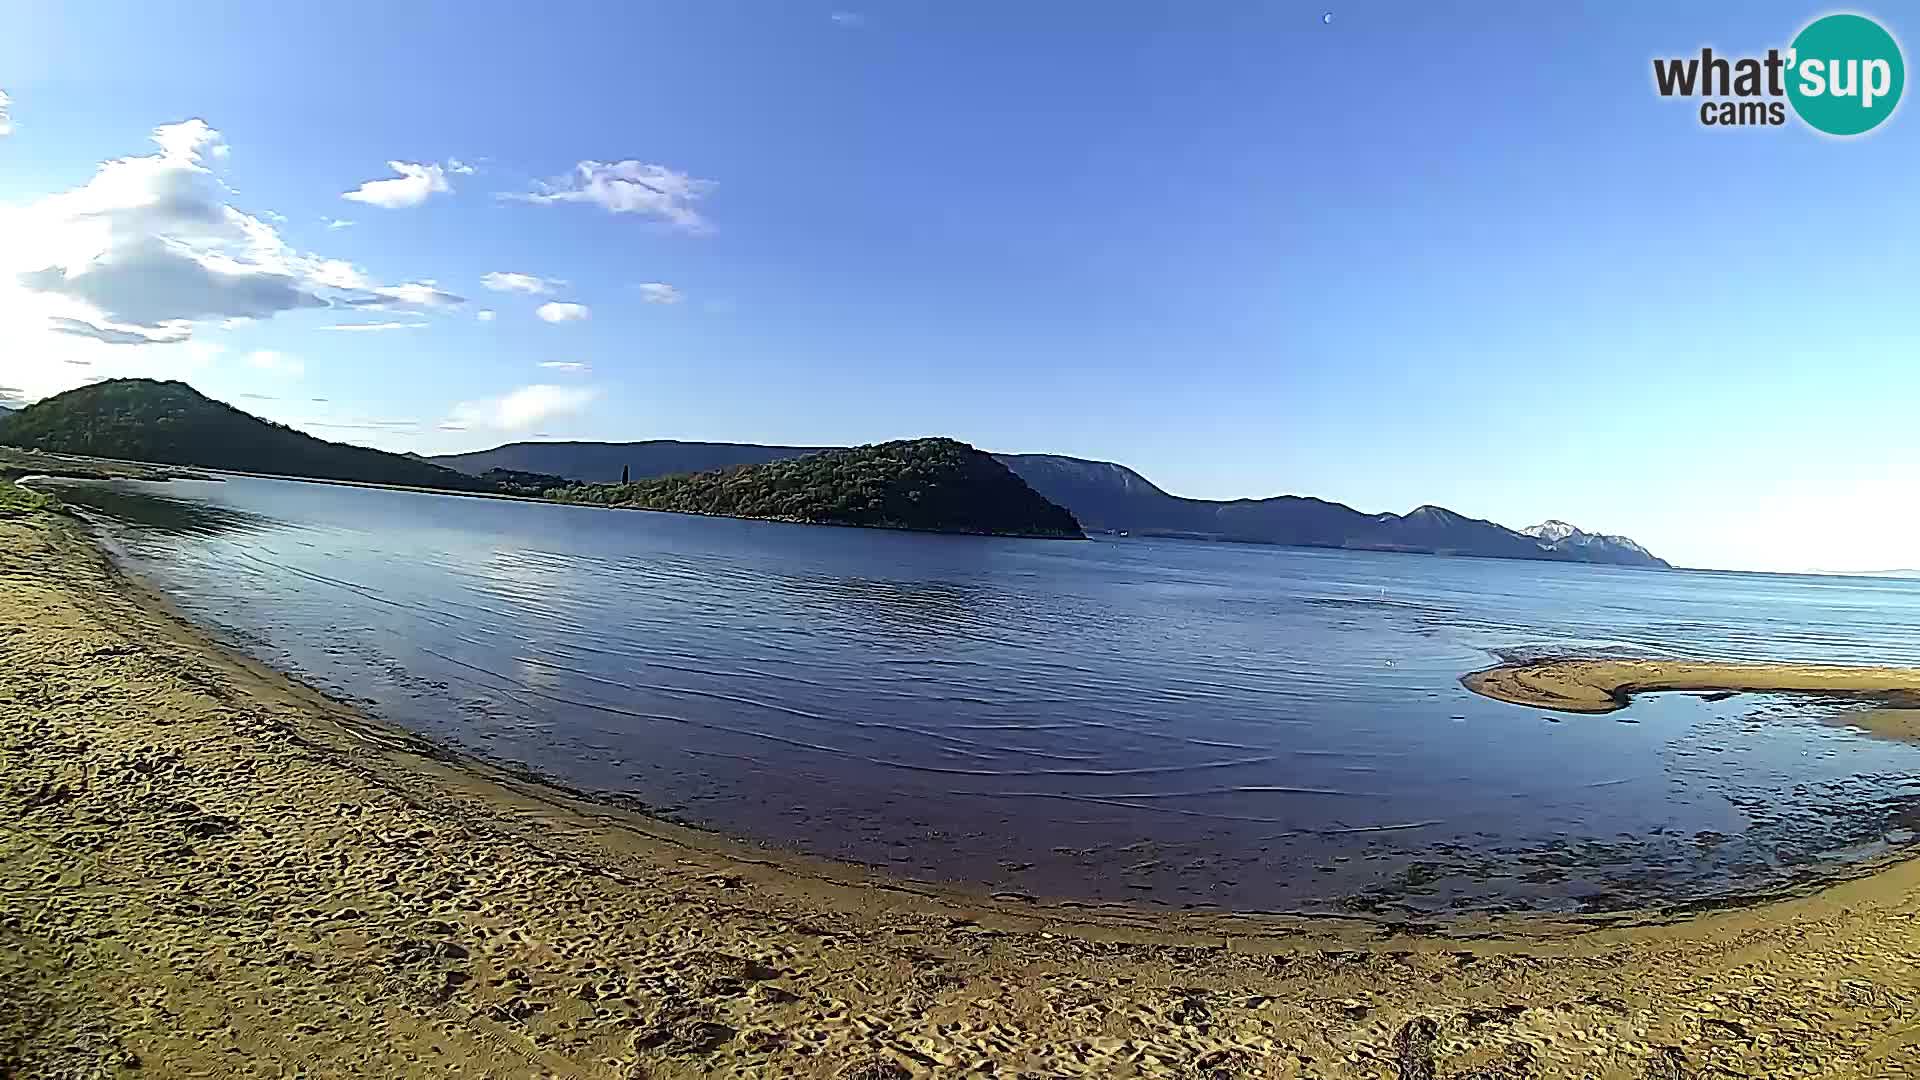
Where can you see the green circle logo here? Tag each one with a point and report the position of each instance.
(1846, 74)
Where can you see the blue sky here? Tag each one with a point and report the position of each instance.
(1404, 256)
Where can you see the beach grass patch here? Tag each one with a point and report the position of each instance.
(16, 500)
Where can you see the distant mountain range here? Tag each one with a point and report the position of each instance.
(1106, 497)
(1110, 497)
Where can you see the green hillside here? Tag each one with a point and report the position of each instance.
(931, 485)
(171, 423)
(604, 463)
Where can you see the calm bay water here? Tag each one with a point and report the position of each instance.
(1161, 721)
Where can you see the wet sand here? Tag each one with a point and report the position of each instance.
(208, 869)
(1900, 724)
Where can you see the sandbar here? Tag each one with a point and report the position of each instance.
(1607, 685)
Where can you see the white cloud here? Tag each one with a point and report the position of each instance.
(6, 114)
(278, 363)
(559, 313)
(81, 328)
(458, 167)
(849, 19)
(523, 283)
(566, 365)
(148, 251)
(414, 294)
(357, 291)
(628, 187)
(484, 315)
(411, 188)
(369, 326)
(659, 292)
(522, 409)
(338, 223)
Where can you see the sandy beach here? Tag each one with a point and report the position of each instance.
(211, 870)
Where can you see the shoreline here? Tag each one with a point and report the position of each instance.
(255, 859)
(1189, 923)
(17, 464)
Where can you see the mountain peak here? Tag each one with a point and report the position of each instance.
(1556, 535)
(1552, 530)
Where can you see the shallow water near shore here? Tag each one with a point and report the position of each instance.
(1155, 721)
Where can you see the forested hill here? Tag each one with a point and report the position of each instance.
(171, 423)
(604, 463)
(931, 485)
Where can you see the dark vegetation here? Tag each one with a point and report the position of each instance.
(530, 484)
(603, 463)
(173, 424)
(933, 485)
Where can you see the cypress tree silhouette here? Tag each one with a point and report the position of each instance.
(623, 474)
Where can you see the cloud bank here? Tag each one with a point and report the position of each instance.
(151, 247)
